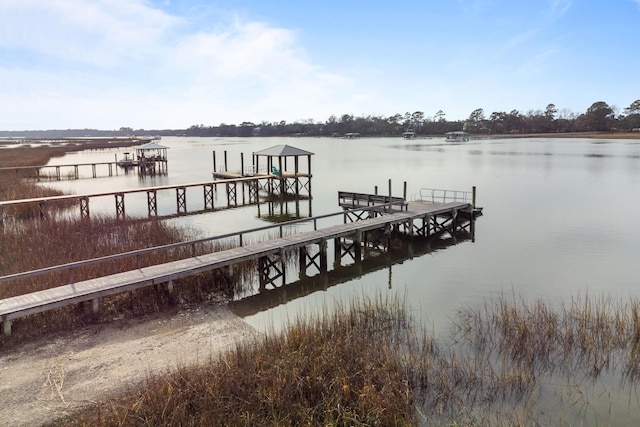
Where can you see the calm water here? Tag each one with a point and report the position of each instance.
(560, 219)
(560, 215)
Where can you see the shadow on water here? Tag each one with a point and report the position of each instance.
(403, 249)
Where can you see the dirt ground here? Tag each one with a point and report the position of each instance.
(49, 377)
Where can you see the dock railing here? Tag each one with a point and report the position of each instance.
(239, 237)
(348, 199)
(443, 196)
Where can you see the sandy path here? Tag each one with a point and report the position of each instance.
(47, 378)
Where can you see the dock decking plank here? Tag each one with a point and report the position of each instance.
(35, 302)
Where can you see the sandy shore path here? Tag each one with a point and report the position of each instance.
(49, 377)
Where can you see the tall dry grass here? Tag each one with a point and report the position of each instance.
(27, 244)
(336, 369)
(371, 364)
(37, 244)
(15, 185)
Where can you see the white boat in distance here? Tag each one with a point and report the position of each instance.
(457, 136)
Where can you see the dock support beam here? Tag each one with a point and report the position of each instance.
(231, 194)
(43, 205)
(6, 326)
(152, 202)
(208, 196)
(271, 269)
(181, 199)
(84, 207)
(119, 205)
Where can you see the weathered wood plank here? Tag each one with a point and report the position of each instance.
(23, 305)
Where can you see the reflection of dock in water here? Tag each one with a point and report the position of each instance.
(372, 261)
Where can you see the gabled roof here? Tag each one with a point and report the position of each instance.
(150, 146)
(283, 151)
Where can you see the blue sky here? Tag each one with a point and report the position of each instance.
(158, 64)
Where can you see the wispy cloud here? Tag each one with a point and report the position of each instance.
(560, 7)
(126, 53)
(101, 32)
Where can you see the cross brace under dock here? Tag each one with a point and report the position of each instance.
(418, 218)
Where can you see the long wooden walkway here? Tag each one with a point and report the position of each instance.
(151, 193)
(423, 218)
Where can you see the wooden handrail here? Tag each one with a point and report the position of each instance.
(137, 253)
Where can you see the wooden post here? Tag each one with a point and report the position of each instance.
(358, 246)
(282, 187)
(404, 192)
(225, 161)
(241, 164)
(323, 255)
(7, 326)
(390, 207)
(473, 196)
(214, 161)
(302, 262)
(375, 190)
(295, 169)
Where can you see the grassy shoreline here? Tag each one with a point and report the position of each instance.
(366, 364)
(371, 363)
(28, 243)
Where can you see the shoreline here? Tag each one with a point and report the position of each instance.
(51, 376)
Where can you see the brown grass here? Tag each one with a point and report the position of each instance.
(27, 244)
(15, 186)
(37, 244)
(371, 364)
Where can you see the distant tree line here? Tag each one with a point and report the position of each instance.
(599, 117)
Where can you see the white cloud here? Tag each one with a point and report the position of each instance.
(101, 32)
(107, 63)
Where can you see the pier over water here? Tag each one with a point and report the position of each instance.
(364, 229)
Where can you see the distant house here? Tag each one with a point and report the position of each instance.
(409, 135)
(352, 135)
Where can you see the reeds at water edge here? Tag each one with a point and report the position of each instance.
(370, 363)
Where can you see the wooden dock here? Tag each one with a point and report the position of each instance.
(361, 226)
(253, 184)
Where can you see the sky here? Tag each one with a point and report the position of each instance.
(171, 64)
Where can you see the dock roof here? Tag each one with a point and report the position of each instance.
(283, 151)
(151, 146)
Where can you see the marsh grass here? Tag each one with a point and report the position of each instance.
(28, 244)
(370, 363)
(582, 338)
(16, 185)
(37, 244)
(340, 368)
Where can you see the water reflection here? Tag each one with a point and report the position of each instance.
(373, 261)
